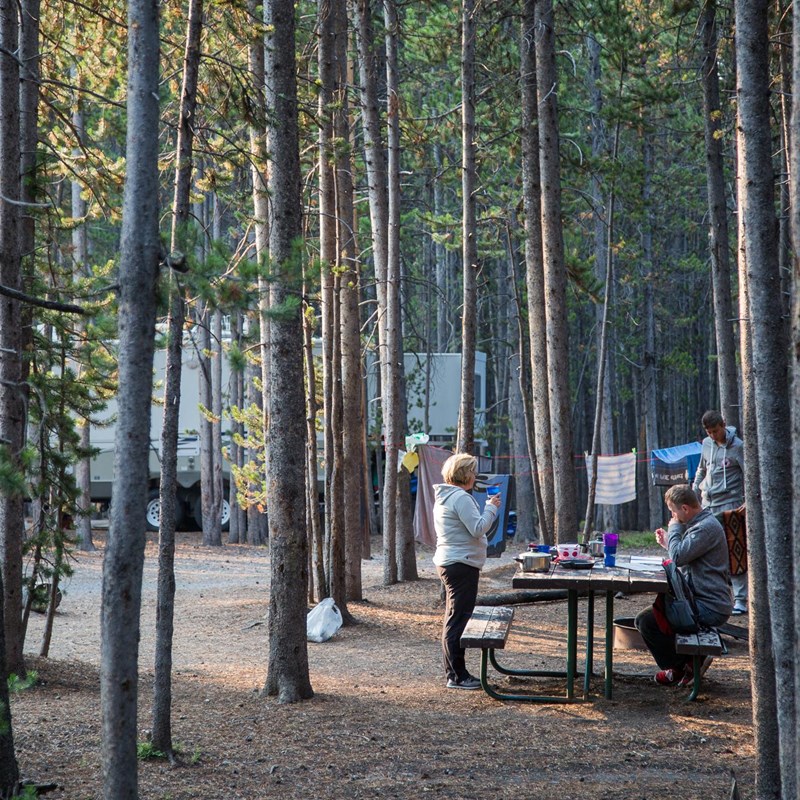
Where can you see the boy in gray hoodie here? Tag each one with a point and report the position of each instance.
(720, 481)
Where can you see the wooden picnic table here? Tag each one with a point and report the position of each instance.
(630, 575)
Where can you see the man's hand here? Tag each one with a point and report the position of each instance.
(661, 537)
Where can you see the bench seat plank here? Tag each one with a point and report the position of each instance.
(488, 627)
(701, 643)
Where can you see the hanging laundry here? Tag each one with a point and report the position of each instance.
(616, 478)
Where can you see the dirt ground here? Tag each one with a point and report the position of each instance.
(381, 723)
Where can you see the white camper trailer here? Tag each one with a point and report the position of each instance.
(433, 388)
(104, 432)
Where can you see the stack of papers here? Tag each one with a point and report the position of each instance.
(645, 563)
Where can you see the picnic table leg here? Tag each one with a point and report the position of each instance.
(589, 665)
(697, 660)
(609, 643)
(488, 654)
(524, 673)
(572, 640)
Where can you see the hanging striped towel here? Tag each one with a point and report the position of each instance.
(616, 478)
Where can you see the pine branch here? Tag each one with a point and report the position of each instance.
(67, 308)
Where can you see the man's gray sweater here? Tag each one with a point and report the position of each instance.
(700, 551)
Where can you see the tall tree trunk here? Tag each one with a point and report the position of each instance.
(440, 256)
(331, 334)
(287, 675)
(609, 516)
(784, 47)
(718, 220)
(205, 394)
(405, 563)
(353, 427)
(649, 359)
(235, 530)
(377, 180)
(768, 352)
(11, 406)
(12, 414)
(601, 397)
(794, 221)
(257, 522)
(566, 522)
(541, 453)
(216, 411)
(465, 441)
(317, 575)
(168, 489)
(519, 413)
(80, 256)
(138, 274)
(762, 663)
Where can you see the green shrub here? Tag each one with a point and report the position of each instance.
(17, 684)
(146, 750)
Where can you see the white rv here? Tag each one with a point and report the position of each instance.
(104, 432)
(433, 388)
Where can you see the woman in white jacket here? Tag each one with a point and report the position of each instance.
(460, 553)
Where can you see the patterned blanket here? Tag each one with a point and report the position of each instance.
(735, 527)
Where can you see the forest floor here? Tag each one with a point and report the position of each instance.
(381, 723)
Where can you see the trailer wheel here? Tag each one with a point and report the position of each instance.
(153, 511)
(225, 512)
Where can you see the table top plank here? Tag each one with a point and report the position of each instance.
(599, 578)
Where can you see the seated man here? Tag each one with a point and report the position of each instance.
(696, 544)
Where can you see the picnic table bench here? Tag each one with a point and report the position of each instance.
(488, 629)
(698, 645)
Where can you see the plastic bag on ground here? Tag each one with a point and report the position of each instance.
(323, 621)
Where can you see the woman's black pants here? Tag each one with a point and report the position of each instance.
(461, 590)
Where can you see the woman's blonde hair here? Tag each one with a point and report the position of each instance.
(458, 468)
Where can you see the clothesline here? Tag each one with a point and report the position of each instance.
(640, 458)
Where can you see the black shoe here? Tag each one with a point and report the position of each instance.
(467, 682)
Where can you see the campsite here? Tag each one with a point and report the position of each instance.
(380, 724)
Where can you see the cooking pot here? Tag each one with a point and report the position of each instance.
(596, 548)
(534, 562)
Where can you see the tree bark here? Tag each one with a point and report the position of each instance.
(11, 405)
(762, 663)
(465, 441)
(205, 393)
(331, 334)
(256, 520)
(404, 566)
(168, 489)
(609, 515)
(349, 320)
(794, 224)
(650, 357)
(566, 522)
(138, 274)
(12, 389)
(541, 453)
(317, 577)
(768, 357)
(440, 257)
(378, 181)
(287, 675)
(603, 351)
(216, 408)
(80, 255)
(718, 220)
